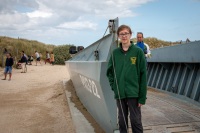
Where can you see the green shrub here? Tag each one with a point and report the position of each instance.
(61, 54)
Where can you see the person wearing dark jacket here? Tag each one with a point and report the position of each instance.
(126, 73)
(23, 62)
(8, 66)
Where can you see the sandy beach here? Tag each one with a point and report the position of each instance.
(34, 102)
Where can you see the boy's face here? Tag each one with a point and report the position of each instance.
(124, 36)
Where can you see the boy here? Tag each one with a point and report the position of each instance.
(127, 76)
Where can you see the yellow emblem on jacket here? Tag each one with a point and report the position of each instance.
(133, 60)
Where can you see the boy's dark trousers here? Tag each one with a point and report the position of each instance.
(131, 105)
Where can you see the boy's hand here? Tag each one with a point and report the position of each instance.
(139, 104)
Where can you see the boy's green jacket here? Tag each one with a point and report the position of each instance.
(129, 68)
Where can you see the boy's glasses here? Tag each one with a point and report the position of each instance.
(125, 35)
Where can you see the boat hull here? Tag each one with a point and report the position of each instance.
(93, 90)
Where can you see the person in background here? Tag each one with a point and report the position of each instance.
(8, 66)
(126, 73)
(37, 55)
(25, 56)
(23, 62)
(52, 58)
(30, 59)
(47, 57)
(140, 43)
(145, 48)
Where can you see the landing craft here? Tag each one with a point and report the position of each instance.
(174, 70)
(87, 70)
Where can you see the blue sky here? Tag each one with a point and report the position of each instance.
(169, 20)
(83, 22)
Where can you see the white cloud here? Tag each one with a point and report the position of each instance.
(12, 21)
(42, 12)
(78, 25)
(37, 14)
(23, 16)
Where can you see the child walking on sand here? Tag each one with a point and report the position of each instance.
(8, 68)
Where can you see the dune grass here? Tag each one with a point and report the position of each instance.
(15, 46)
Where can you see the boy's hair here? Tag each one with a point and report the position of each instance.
(122, 27)
(22, 51)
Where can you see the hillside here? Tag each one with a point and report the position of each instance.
(15, 46)
(156, 43)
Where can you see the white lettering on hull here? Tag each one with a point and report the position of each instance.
(90, 85)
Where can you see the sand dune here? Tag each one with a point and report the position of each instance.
(34, 102)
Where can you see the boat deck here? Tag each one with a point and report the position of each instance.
(164, 113)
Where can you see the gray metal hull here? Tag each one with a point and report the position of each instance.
(93, 89)
(176, 69)
(88, 74)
